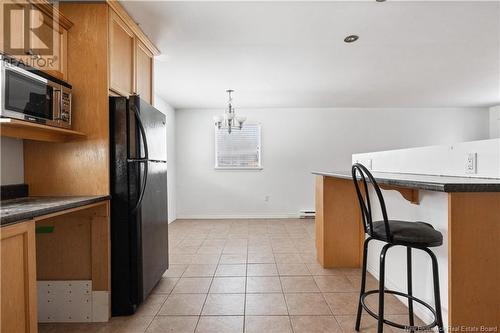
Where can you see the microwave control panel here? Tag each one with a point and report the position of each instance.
(66, 107)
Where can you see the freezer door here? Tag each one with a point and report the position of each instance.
(154, 123)
(154, 233)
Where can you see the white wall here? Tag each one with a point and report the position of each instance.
(495, 122)
(11, 161)
(448, 160)
(296, 142)
(161, 105)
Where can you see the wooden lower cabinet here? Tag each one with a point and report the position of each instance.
(18, 278)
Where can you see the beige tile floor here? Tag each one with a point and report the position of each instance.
(253, 276)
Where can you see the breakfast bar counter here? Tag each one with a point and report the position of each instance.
(426, 182)
(472, 207)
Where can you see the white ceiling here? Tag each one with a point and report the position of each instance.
(292, 54)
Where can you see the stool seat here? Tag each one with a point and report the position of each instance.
(415, 234)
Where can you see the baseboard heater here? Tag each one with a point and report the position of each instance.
(307, 214)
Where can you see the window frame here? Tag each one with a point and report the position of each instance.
(226, 168)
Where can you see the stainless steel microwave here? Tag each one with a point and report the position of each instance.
(32, 95)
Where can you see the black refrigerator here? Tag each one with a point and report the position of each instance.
(139, 223)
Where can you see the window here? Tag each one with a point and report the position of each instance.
(238, 150)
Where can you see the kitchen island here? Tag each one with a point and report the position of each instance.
(472, 233)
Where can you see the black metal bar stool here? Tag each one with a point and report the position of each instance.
(417, 235)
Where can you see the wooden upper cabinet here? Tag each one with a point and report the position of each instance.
(52, 37)
(37, 35)
(130, 55)
(121, 56)
(144, 72)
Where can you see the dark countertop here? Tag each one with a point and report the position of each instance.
(427, 182)
(17, 210)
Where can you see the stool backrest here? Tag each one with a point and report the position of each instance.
(361, 175)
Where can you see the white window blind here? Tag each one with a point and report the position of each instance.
(238, 150)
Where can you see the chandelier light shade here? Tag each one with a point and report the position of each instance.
(229, 120)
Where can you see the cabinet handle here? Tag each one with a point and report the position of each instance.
(33, 54)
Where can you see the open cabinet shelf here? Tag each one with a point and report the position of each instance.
(31, 131)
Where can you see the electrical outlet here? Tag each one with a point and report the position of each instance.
(471, 163)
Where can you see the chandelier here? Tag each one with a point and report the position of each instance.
(229, 120)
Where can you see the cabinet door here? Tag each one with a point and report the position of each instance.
(18, 278)
(121, 56)
(12, 35)
(48, 45)
(144, 72)
(34, 38)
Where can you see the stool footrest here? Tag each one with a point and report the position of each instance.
(393, 324)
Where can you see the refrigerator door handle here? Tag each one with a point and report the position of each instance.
(142, 131)
(143, 186)
(137, 160)
(142, 160)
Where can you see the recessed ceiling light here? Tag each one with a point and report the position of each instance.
(351, 38)
(380, 0)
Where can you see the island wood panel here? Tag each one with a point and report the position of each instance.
(79, 167)
(473, 259)
(18, 278)
(79, 246)
(339, 233)
(319, 220)
(121, 56)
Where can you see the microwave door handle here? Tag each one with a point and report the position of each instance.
(56, 104)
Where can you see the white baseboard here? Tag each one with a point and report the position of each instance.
(237, 216)
(100, 306)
